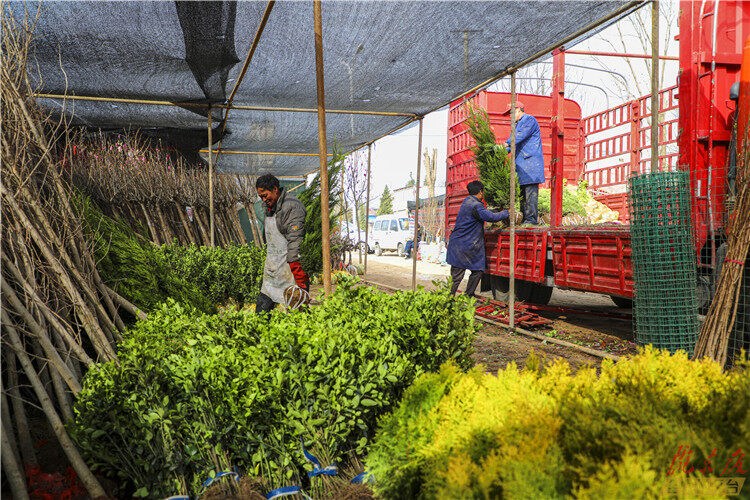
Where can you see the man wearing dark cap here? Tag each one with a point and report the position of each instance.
(466, 244)
(529, 161)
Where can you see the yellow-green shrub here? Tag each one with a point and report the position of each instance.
(544, 432)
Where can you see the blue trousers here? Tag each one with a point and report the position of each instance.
(409, 248)
(529, 201)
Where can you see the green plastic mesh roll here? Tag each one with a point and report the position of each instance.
(663, 256)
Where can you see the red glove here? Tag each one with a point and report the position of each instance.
(300, 277)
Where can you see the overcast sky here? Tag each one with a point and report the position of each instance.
(395, 157)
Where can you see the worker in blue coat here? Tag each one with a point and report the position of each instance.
(466, 244)
(529, 162)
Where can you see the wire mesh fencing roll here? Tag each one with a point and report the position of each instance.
(663, 256)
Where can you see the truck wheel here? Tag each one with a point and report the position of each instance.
(526, 291)
(378, 250)
(400, 249)
(540, 294)
(622, 302)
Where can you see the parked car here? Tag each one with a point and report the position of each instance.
(390, 232)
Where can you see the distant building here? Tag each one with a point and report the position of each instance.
(401, 197)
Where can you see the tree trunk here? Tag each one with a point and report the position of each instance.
(166, 230)
(52, 355)
(25, 443)
(48, 314)
(87, 317)
(203, 230)
(185, 224)
(84, 473)
(151, 228)
(7, 423)
(11, 469)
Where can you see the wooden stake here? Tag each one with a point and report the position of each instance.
(415, 242)
(210, 179)
(367, 209)
(512, 208)
(322, 147)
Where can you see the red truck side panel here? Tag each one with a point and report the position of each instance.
(460, 165)
(706, 113)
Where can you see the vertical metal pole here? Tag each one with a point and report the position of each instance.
(322, 147)
(416, 213)
(655, 86)
(345, 213)
(512, 208)
(558, 134)
(635, 139)
(210, 178)
(367, 207)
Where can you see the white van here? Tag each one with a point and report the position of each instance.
(391, 232)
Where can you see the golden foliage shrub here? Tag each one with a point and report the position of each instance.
(543, 432)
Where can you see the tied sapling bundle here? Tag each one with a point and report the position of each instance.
(491, 159)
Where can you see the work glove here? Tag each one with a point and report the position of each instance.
(300, 277)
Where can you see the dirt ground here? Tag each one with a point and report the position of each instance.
(495, 347)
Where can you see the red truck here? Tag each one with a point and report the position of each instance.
(695, 131)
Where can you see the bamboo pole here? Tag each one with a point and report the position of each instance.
(512, 208)
(264, 153)
(220, 106)
(367, 207)
(245, 66)
(415, 242)
(251, 52)
(210, 179)
(655, 87)
(322, 146)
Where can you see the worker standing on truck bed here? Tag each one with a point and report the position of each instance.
(284, 232)
(466, 244)
(529, 161)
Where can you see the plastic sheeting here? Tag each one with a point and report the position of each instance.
(379, 56)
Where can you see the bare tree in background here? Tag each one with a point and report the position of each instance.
(635, 30)
(430, 219)
(354, 177)
(633, 34)
(536, 79)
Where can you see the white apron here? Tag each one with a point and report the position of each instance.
(277, 275)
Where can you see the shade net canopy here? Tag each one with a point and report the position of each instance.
(405, 57)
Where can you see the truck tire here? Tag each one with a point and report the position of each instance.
(378, 250)
(526, 291)
(622, 302)
(540, 294)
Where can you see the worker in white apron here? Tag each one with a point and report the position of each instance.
(284, 232)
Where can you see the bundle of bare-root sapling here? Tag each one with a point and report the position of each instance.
(58, 317)
(137, 182)
(713, 339)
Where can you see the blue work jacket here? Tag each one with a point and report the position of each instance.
(466, 244)
(529, 156)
